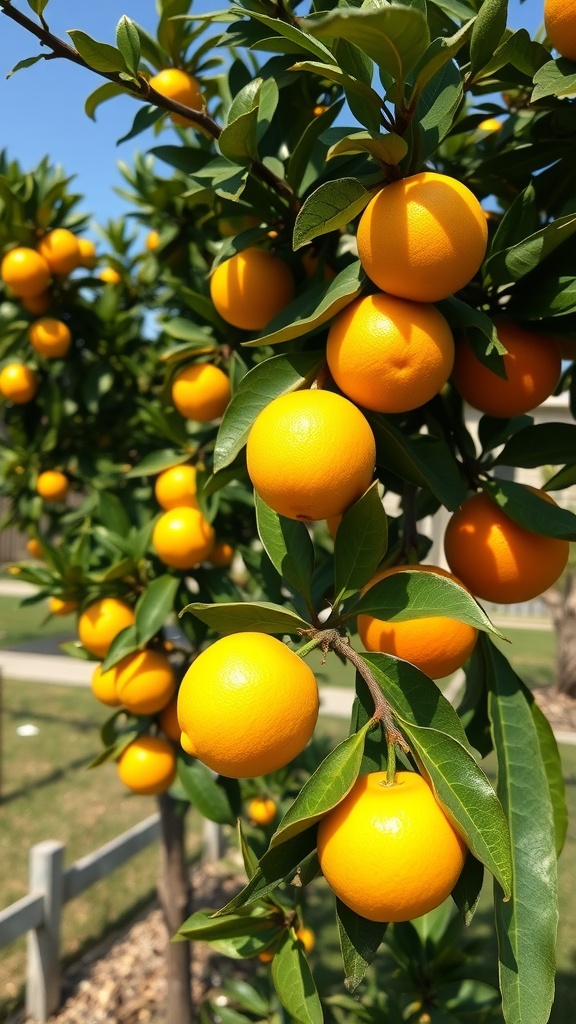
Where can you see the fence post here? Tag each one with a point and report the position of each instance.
(43, 966)
(212, 842)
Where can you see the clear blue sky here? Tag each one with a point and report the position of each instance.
(43, 106)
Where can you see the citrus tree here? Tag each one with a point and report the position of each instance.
(367, 222)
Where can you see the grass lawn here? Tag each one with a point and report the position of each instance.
(31, 622)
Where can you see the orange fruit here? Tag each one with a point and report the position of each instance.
(18, 383)
(101, 622)
(176, 487)
(423, 237)
(168, 720)
(50, 338)
(182, 538)
(490, 124)
(37, 304)
(310, 263)
(185, 743)
(148, 765)
(104, 686)
(320, 109)
(175, 84)
(532, 367)
(310, 454)
(109, 275)
(25, 272)
(152, 241)
(57, 606)
(87, 253)
(497, 559)
(388, 354)
(251, 288)
(52, 485)
(560, 25)
(307, 938)
(222, 554)
(266, 956)
(233, 225)
(389, 852)
(34, 548)
(61, 251)
(262, 810)
(201, 392)
(437, 645)
(247, 705)
(145, 682)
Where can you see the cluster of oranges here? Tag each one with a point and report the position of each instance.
(182, 537)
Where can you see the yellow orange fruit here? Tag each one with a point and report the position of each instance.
(247, 705)
(222, 554)
(201, 392)
(168, 720)
(310, 454)
(175, 84)
(34, 548)
(388, 354)
(50, 338)
(104, 686)
(437, 645)
(152, 241)
(182, 538)
(186, 744)
(307, 938)
(251, 288)
(101, 622)
(87, 253)
(148, 765)
(61, 251)
(422, 237)
(25, 272)
(532, 366)
(18, 383)
(176, 487)
(109, 275)
(145, 682)
(52, 485)
(560, 25)
(497, 559)
(490, 124)
(58, 606)
(262, 810)
(390, 853)
(37, 304)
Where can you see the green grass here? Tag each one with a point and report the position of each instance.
(29, 622)
(531, 653)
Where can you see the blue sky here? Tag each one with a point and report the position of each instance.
(43, 106)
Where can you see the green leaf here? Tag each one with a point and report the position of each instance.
(202, 927)
(288, 546)
(527, 924)
(113, 514)
(466, 893)
(299, 37)
(565, 477)
(104, 92)
(128, 42)
(294, 984)
(553, 770)
(38, 6)
(531, 511)
(359, 942)
(519, 221)
(388, 149)
(514, 263)
(325, 788)
(332, 205)
(479, 330)
(360, 545)
(249, 858)
(274, 867)
(98, 56)
(154, 607)
(361, 97)
(420, 459)
(276, 376)
(488, 30)
(238, 141)
(301, 161)
(122, 645)
(539, 445)
(556, 78)
(144, 119)
(156, 462)
(439, 52)
(550, 295)
(257, 616)
(26, 63)
(516, 49)
(204, 790)
(313, 308)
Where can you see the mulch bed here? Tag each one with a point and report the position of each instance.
(559, 709)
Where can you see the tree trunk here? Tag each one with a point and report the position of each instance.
(562, 604)
(174, 892)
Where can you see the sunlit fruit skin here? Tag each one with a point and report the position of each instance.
(490, 124)
(175, 84)
(532, 368)
(560, 25)
(168, 720)
(251, 288)
(145, 682)
(109, 275)
(388, 354)
(307, 938)
(389, 852)
(101, 622)
(61, 251)
(34, 548)
(148, 765)
(262, 810)
(310, 454)
(152, 241)
(182, 538)
(423, 237)
(87, 253)
(18, 383)
(37, 304)
(58, 606)
(52, 485)
(25, 272)
(50, 338)
(247, 705)
(437, 645)
(186, 744)
(221, 554)
(201, 392)
(497, 559)
(176, 487)
(104, 686)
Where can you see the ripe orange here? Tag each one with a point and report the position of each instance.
(175, 84)
(201, 392)
(101, 622)
(222, 554)
(310, 454)
(490, 124)
(61, 251)
(389, 852)
(185, 744)
(25, 272)
(560, 25)
(104, 686)
(57, 606)
(532, 369)
(109, 275)
(152, 241)
(176, 487)
(148, 765)
(388, 354)
(262, 810)
(52, 485)
(437, 645)
(266, 956)
(87, 253)
(37, 304)
(248, 705)
(18, 383)
(497, 559)
(307, 938)
(251, 288)
(145, 682)
(50, 338)
(423, 237)
(168, 720)
(182, 538)
(34, 548)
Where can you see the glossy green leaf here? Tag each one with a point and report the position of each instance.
(556, 78)
(553, 770)
(332, 205)
(258, 616)
(98, 56)
(388, 149)
(144, 119)
(519, 221)
(38, 6)
(553, 294)
(565, 477)
(362, 95)
(157, 462)
(288, 546)
(487, 33)
(514, 263)
(122, 645)
(238, 141)
(301, 161)
(360, 545)
(439, 52)
(204, 790)
(104, 92)
(359, 942)
(249, 858)
(113, 514)
(539, 445)
(420, 459)
(128, 42)
(294, 984)
(530, 511)
(154, 607)
(297, 36)
(479, 330)
(203, 927)
(28, 62)
(276, 865)
(466, 893)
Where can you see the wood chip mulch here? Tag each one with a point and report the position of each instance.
(559, 708)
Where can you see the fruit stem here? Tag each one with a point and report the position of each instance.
(303, 651)
(391, 765)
